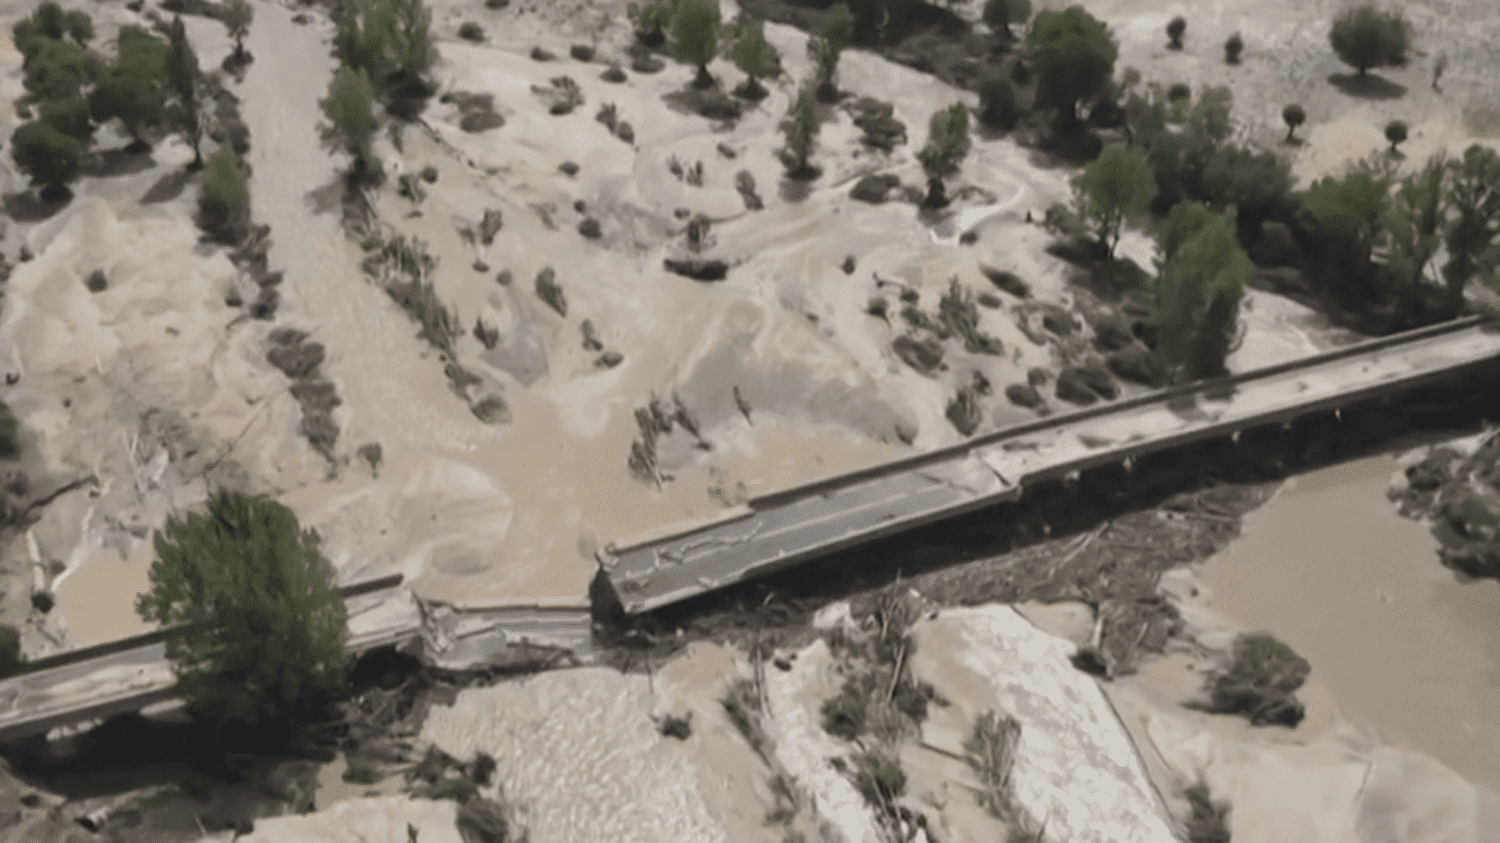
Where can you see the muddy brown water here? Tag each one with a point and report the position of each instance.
(1329, 567)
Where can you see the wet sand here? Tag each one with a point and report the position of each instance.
(1331, 569)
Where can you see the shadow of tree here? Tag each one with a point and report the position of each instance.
(168, 187)
(28, 206)
(1369, 87)
(117, 162)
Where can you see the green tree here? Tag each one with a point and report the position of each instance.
(133, 91)
(652, 20)
(80, 27)
(1294, 116)
(1347, 215)
(58, 70)
(1395, 132)
(1000, 14)
(753, 55)
(695, 36)
(1258, 186)
(825, 47)
(801, 128)
(947, 146)
(998, 108)
(237, 17)
(1470, 238)
(71, 117)
(47, 23)
(391, 41)
(268, 622)
(1175, 28)
(349, 107)
(1413, 226)
(1075, 61)
(184, 77)
(1209, 117)
(1198, 298)
(1115, 187)
(49, 157)
(224, 199)
(1181, 225)
(1364, 38)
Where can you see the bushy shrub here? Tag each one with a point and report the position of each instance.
(695, 36)
(1116, 187)
(1075, 61)
(801, 129)
(998, 108)
(947, 145)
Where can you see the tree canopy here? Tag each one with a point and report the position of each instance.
(752, 53)
(695, 36)
(57, 70)
(998, 15)
(224, 198)
(237, 17)
(391, 41)
(134, 89)
(48, 156)
(1115, 187)
(1364, 38)
(1471, 238)
(947, 145)
(349, 107)
(801, 128)
(1074, 58)
(824, 49)
(269, 621)
(1346, 215)
(184, 77)
(1198, 296)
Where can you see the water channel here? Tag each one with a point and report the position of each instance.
(1329, 567)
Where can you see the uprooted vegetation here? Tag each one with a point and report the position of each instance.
(1461, 497)
(991, 752)
(1209, 820)
(880, 703)
(1259, 682)
(655, 420)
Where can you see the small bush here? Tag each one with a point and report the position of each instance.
(361, 771)
(613, 73)
(482, 769)
(844, 715)
(681, 728)
(581, 52)
(1179, 91)
(923, 354)
(471, 32)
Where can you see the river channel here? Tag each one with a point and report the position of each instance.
(1329, 567)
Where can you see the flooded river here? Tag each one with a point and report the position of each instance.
(1331, 569)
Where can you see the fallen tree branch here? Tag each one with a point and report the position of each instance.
(74, 486)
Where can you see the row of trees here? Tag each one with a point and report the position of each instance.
(385, 52)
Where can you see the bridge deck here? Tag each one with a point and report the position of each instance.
(818, 518)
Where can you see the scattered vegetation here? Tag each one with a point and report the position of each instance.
(991, 750)
(1364, 38)
(267, 644)
(742, 704)
(237, 16)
